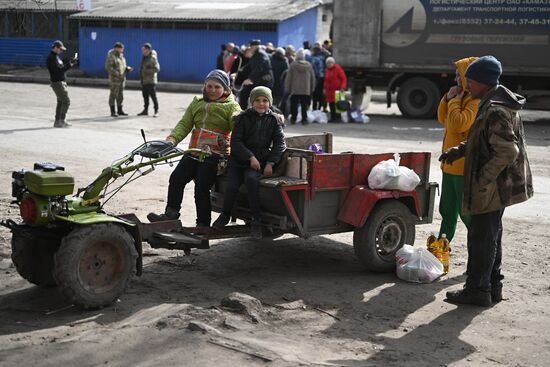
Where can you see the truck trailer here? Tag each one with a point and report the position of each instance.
(408, 47)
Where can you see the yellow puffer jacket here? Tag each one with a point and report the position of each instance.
(457, 115)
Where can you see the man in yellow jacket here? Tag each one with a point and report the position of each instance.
(457, 112)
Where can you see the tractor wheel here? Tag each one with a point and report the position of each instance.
(33, 257)
(389, 226)
(95, 264)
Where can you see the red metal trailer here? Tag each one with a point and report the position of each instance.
(316, 194)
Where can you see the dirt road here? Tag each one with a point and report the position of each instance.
(319, 307)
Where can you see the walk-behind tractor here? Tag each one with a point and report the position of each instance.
(71, 242)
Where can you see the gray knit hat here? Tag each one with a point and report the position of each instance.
(261, 91)
(219, 76)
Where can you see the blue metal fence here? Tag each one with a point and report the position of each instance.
(24, 51)
(184, 55)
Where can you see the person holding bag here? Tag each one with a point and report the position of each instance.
(335, 80)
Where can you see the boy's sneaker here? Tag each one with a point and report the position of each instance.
(256, 231)
(156, 114)
(470, 297)
(222, 221)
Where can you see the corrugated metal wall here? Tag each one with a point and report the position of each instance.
(184, 55)
(24, 51)
(303, 27)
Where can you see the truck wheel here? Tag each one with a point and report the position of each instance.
(389, 226)
(95, 264)
(418, 98)
(32, 257)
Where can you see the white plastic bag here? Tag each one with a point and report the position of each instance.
(322, 118)
(389, 175)
(310, 116)
(407, 180)
(417, 265)
(318, 116)
(344, 116)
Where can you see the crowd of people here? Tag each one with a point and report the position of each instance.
(484, 160)
(117, 69)
(299, 79)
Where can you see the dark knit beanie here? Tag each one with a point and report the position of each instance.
(486, 70)
(218, 76)
(263, 92)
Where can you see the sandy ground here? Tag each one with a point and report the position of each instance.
(319, 306)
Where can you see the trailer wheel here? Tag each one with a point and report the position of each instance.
(389, 226)
(95, 264)
(32, 257)
(418, 98)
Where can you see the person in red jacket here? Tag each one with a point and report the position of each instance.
(335, 79)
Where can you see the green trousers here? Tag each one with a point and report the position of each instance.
(450, 205)
(116, 93)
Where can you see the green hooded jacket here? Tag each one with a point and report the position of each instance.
(217, 115)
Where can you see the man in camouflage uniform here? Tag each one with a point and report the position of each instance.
(148, 74)
(57, 69)
(496, 175)
(117, 69)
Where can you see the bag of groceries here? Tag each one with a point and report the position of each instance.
(417, 265)
(389, 175)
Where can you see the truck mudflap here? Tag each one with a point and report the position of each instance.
(361, 200)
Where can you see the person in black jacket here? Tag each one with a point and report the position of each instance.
(57, 69)
(221, 57)
(257, 144)
(259, 71)
(279, 64)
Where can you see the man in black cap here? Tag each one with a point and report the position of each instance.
(496, 175)
(259, 71)
(117, 69)
(57, 69)
(148, 74)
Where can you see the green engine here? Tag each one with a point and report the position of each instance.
(41, 192)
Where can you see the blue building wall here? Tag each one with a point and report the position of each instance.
(302, 27)
(24, 51)
(184, 55)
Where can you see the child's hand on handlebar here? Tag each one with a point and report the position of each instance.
(171, 139)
